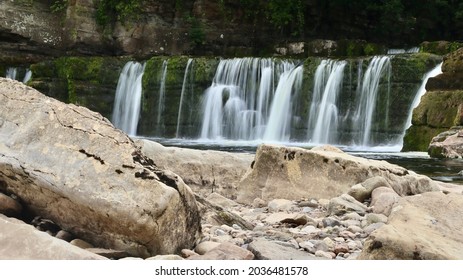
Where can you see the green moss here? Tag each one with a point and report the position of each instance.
(438, 109)
(440, 47)
(417, 138)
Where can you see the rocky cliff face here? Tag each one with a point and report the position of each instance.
(30, 30)
(440, 107)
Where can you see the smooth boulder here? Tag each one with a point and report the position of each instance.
(70, 165)
(426, 226)
(295, 173)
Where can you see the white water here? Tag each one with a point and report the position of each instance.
(126, 110)
(162, 94)
(11, 73)
(237, 104)
(27, 76)
(421, 91)
(324, 110)
(402, 51)
(182, 96)
(278, 127)
(379, 67)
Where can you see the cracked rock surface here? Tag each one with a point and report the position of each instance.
(70, 165)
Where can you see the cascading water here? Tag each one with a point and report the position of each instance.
(11, 73)
(126, 111)
(278, 126)
(379, 67)
(265, 99)
(162, 94)
(416, 101)
(15, 73)
(182, 97)
(323, 117)
(237, 104)
(27, 76)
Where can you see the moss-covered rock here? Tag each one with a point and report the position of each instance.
(453, 62)
(86, 81)
(438, 109)
(418, 137)
(440, 47)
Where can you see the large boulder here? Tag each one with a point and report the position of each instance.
(70, 165)
(20, 241)
(205, 171)
(448, 144)
(426, 226)
(295, 173)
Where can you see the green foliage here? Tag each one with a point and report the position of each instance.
(197, 34)
(58, 6)
(286, 14)
(110, 11)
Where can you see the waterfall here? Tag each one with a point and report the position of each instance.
(126, 111)
(182, 96)
(323, 117)
(15, 73)
(363, 118)
(421, 91)
(27, 76)
(237, 104)
(11, 73)
(162, 94)
(280, 112)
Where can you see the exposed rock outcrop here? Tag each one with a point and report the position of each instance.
(296, 173)
(440, 108)
(70, 165)
(420, 227)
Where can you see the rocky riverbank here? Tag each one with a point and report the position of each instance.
(85, 190)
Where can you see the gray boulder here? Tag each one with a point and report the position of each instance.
(426, 226)
(70, 165)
